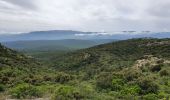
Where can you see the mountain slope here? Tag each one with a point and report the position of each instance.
(123, 70)
(135, 68)
(127, 50)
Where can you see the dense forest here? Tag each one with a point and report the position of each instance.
(122, 70)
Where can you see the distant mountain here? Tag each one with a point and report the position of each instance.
(52, 45)
(125, 35)
(42, 35)
(69, 34)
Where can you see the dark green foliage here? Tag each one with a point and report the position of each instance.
(2, 88)
(67, 93)
(131, 75)
(104, 81)
(164, 73)
(147, 85)
(131, 89)
(150, 97)
(63, 78)
(156, 68)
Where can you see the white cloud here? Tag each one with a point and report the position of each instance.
(85, 15)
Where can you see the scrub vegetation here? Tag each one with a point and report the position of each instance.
(122, 70)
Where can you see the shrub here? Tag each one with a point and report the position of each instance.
(164, 73)
(131, 75)
(156, 68)
(25, 91)
(131, 90)
(117, 84)
(63, 78)
(150, 97)
(67, 93)
(147, 86)
(4, 80)
(104, 81)
(47, 78)
(2, 88)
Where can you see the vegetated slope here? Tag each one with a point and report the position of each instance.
(53, 45)
(21, 75)
(117, 54)
(14, 67)
(135, 68)
(50, 45)
(45, 49)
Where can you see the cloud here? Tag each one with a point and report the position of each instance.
(25, 4)
(84, 15)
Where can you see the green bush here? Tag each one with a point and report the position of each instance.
(164, 73)
(156, 68)
(147, 85)
(2, 88)
(150, 97)
(132, 90)
(117, 84)
(104, 81)
(63, 77)
(25, 91)
(67, 93)
(131, 75)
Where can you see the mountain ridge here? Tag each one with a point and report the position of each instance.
(70, 34)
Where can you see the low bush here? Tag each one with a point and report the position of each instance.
(147, 85)
(132, 90)
(2, 88)
(131, 75)
(150, 97)
(63, 78)
(25, 91)
(67, 93)
(104, 81)
(117, 84)
(156, 68)
(164, 73)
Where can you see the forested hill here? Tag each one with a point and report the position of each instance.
(118, 54)
(135, 68)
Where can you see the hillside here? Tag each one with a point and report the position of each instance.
(50, 45)
(43, 49)
(124, 70)
(135, 68)
(117, 53)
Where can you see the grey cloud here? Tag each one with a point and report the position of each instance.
(85, 15)
(160, 10)
(28, 4)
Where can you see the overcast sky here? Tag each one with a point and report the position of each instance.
(84, 15)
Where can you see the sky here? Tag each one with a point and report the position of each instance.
(17, 16)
